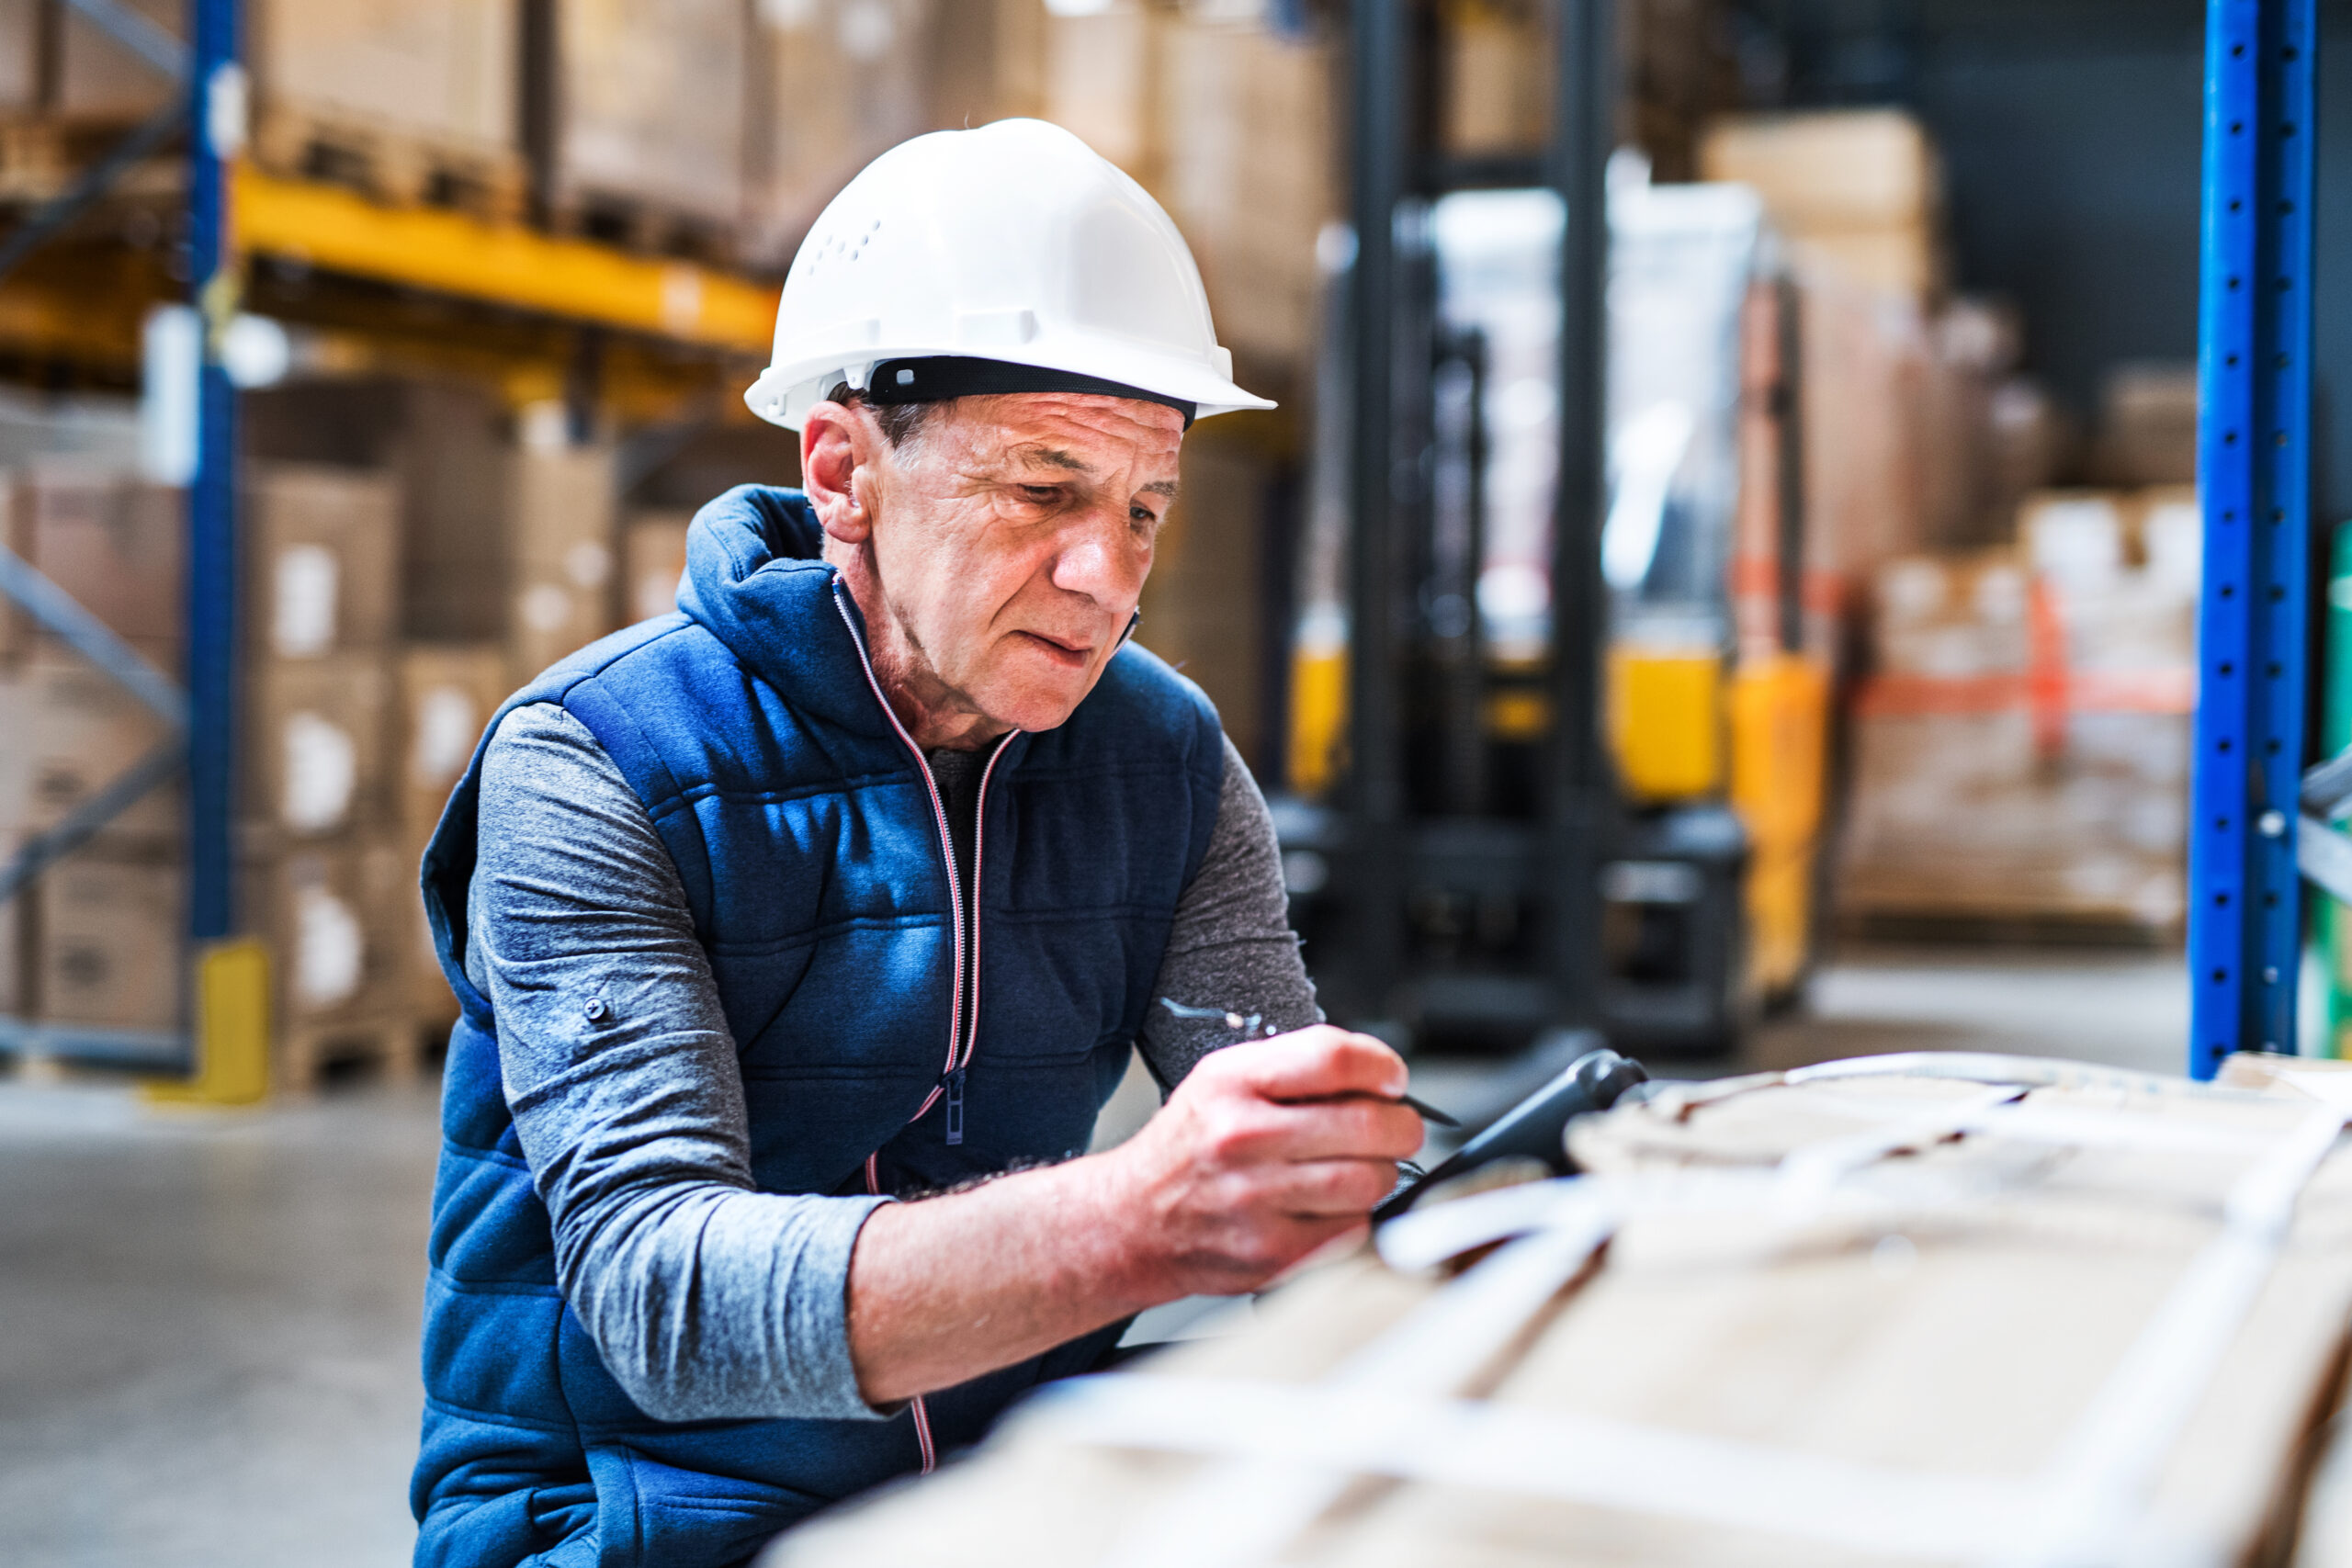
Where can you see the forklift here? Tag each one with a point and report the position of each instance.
(1556, 741)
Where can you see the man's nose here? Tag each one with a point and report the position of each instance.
(1098, 558)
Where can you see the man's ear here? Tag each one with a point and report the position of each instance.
(834, 441)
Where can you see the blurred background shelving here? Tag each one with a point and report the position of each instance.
(501, 268)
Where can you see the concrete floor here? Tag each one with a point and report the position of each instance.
(208, 1322)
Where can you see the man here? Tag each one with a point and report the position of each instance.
(781, 922)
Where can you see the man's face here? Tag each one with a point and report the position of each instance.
(1008, 543)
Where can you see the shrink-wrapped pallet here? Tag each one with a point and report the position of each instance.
(2021, 748)
(1917, 1309)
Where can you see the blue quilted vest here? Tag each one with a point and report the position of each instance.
(805, 830)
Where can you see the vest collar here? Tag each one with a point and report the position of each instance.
(756, 580)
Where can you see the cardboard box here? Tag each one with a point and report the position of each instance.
(1247, 164)
(447, 695)
(447, 692)
(20, 56)
(1903, 1363)
(323, 561)
(444, 442)
(653, 558)
(340, 919)
(319, 741)
(1856, 191)
(2148, 427)
(836, 83)
(108, 949)
(1202, 608)
(651, 108)
(440, 72)
(1497, 78)
(1837, 171)
(565, 520)
(1864, 362)
(112, 542)
(98, 79)
(1099, 82)
(76, 730)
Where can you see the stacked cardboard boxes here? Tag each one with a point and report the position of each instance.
(323, 877)
(1201, 606)
(834, 83)
(2021, 751)
(444, 441)
(448, 692)
(98, 942)
(415, 102)
(562, 523)
(93, 78)
(1497, 77)
(653, 559)
(649, 140)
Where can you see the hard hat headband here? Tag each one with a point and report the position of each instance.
(940, 376)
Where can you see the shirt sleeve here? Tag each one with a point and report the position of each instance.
(1232, 970)
(706, 1299)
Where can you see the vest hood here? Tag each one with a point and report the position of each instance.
(757, 579)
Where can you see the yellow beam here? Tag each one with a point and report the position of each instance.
(450, 252)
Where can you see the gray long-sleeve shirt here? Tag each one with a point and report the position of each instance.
(706, 1298)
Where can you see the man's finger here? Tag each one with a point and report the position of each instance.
(1314, 1063)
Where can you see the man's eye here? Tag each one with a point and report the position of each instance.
(1143, 517)
(1043, 495)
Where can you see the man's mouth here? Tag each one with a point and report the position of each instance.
(1073, 654)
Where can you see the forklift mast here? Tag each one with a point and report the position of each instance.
(1402, 875)
(1495, 862)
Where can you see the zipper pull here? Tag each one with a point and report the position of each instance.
(955, 1107)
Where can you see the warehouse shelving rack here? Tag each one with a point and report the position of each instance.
(236, 213)
(2254, 460)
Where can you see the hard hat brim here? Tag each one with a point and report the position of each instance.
(785, 392)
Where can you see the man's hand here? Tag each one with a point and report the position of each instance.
(1267, 1150)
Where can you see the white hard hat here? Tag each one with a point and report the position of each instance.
(1010, 258)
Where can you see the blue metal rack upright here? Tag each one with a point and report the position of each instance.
(213, 576)
(2254, 462)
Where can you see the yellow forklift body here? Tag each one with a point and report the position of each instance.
(1666, 722)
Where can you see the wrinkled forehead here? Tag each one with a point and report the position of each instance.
(1102, 433)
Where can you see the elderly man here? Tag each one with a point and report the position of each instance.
(801, 934)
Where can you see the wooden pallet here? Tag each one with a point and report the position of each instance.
(391, 1047)
(634, 224)
(395, 167)
(2011, 928)
(41, 156)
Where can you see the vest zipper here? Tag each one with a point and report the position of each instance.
(972, 1029)
(946, 848)
(961, 1040)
